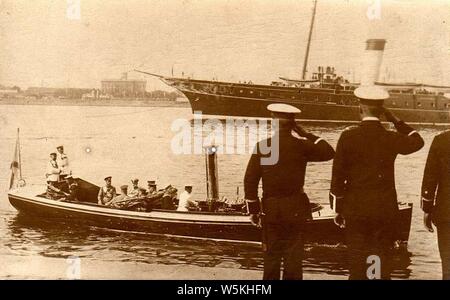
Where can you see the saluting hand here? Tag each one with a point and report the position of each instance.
(299, 130)
(427, 222)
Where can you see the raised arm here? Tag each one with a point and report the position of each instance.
(408, 140)
(317, 149)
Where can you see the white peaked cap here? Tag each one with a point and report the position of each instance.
(371, 92)
(283, 108)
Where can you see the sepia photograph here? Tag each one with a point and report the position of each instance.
(221, 140)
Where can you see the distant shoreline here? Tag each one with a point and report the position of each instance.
(96, 102)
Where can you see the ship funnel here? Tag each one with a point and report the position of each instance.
(372, 61)
(212, 178)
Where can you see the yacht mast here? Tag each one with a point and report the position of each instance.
(305, 63)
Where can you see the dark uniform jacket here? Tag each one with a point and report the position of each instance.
(436, 180)
(363, 183)
(283, 181)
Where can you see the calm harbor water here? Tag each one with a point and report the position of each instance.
(130, 142)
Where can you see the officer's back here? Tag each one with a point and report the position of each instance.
(369, 152)
(287, 176)
(285, 206)
(363, 182)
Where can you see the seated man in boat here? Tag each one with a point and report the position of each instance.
(120, 200)
(55, 193)
(124, 201)
(107, 192)
(151, 188)
(136, 191)
(154, 198)
(185, 203)
(73, 189)
(162, 199)
(169, 197)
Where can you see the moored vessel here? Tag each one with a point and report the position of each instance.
(325, 96)
(412, 103)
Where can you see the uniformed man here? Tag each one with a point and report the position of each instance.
(185, 201)
(436, 196)
(73, 189)
(52, 175)
(285, 206)
(53, 169)
(120, 200)
(107, 192)
(63, 162)
(136, 191)
(151, 185)
(362, 186)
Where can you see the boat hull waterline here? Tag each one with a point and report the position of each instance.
(215, 226)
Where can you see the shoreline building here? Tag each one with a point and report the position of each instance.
(124, 87)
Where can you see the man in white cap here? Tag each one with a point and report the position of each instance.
(52, 175)
(363, 183)
(53, 170)
(284, 207)
(185, 202)
(63, 162)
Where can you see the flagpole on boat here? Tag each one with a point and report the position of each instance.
(19, 154)
(16, 165)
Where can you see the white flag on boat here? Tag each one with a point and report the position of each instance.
(16, 170)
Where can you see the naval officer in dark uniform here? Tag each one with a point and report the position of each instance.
(363, 185)
(436, 196)
(285, 206)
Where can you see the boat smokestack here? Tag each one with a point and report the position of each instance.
(212, 178)
(372, 61)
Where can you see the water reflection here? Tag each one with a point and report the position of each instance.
(34, 236)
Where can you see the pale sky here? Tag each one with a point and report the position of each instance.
(256, 40)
